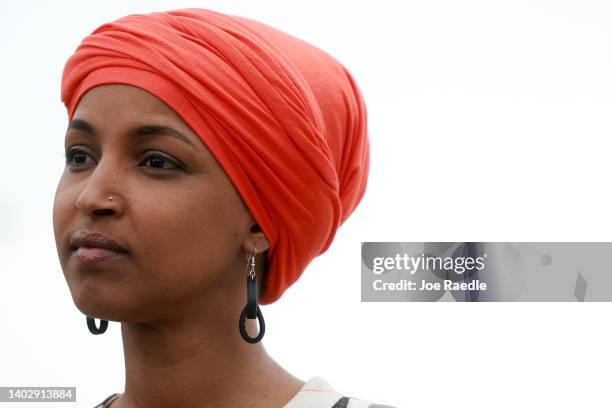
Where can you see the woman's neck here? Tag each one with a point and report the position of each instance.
(200, 364)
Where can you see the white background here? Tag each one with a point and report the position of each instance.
(489, 121)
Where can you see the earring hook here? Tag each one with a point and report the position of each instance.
(251, 258)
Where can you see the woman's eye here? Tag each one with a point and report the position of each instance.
(77, 157)
(76, 154)
(157, 160)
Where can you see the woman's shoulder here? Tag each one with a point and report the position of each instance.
(351, 402)
(318, 393)
(107, 401)
(315, 393)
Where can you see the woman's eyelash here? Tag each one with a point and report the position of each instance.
(70, 154)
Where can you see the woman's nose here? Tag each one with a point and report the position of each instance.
(99, 206)
(101, 195)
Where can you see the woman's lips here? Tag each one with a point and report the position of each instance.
(85, 255)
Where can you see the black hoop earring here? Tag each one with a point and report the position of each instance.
(91, 324)
(251, 309)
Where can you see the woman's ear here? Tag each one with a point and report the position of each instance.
(256, 240)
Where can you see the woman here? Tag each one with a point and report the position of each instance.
(203, 150)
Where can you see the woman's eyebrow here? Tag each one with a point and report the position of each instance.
(140, 131)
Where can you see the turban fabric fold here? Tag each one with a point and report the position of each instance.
(284, 119)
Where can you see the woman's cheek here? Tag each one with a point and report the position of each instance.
(62, 213)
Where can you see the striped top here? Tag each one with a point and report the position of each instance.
(315, 393)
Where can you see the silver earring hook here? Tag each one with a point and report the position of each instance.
(251, 258)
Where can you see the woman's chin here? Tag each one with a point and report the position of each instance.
(90, 303)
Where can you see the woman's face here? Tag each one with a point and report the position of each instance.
(174, 209)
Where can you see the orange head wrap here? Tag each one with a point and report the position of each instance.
(284, 119)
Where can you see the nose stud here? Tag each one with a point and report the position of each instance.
(110, 198)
